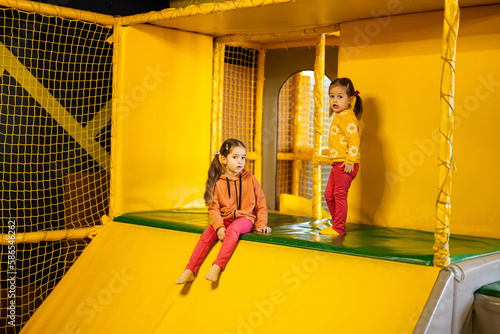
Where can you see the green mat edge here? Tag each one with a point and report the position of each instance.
(425, 260)
(492, 290)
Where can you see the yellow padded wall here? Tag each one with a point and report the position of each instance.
(161, 118)
(395, 62)
(476, 183)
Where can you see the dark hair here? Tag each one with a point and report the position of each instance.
(217, 168)
(349, 87)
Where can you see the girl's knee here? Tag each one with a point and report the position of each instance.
(240, 226)
(234, 229)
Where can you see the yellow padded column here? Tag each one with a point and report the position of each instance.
(217, 99)
(446, 161)
(318, 93)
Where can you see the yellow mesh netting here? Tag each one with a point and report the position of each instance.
(50, 9)
(296, 127)
(238, 111)
(285, 139)
(285, 119)
(55, 143)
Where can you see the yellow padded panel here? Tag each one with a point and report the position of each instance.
(396, 64)
(297, 205)
(162, 118)
(396, 184)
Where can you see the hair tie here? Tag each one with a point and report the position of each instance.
(216, 153)
(356, 93)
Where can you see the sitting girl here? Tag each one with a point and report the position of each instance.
(235, 203)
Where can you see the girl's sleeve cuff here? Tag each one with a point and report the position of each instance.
(260, 224)
(217, 225)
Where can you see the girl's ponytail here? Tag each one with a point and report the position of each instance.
(217, 168)
(358, 106)
(214, 172)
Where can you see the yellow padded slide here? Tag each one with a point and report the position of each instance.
(124, 283)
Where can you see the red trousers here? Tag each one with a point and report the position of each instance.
(336, 194)
(209, 236)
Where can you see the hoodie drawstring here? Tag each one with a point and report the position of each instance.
(238, 200)
(238, 203)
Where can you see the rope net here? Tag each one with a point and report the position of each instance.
(288, 135)
(55, 143)
(238, 113)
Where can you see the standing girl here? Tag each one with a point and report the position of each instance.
(343, 144)
(235, 203)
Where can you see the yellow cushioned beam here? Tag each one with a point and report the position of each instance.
(279, 17)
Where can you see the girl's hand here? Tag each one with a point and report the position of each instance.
(348, 168)
(264, 230)
(221, 233)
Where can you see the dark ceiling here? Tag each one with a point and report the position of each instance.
(112, 7)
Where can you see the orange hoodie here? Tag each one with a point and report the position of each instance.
(233, 199)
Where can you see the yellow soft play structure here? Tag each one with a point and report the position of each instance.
(171, 85)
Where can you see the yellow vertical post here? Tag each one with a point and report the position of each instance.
(258, 114)
(446, 161)
(318, 94)
(298, 107)
(114, 117)
(217, 97)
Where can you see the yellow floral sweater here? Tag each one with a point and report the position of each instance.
(344, 138)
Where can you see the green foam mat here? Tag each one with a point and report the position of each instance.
(492, 289)
(386, 243)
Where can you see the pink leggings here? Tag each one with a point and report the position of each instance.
(209, 236)
(336, 195)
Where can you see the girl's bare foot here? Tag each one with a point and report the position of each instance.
(187, 276)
